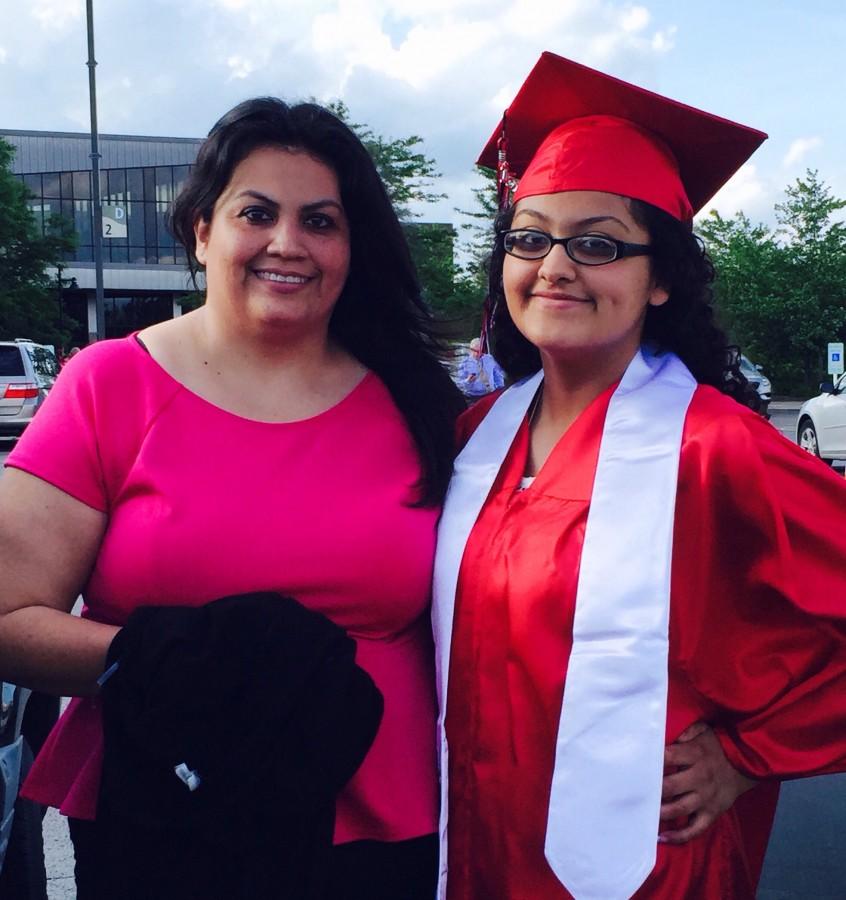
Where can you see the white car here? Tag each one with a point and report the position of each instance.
(821, 428)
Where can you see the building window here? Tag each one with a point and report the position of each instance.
(33, 185)
(52, 186)
(81, 185)
(145, 193)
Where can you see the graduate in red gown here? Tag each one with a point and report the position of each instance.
(627, 549)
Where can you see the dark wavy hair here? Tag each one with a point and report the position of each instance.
(380, 317)
(685, 324)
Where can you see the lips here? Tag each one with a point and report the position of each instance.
(282, 277)
(558, 297)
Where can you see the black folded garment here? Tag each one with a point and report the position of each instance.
(262, 701)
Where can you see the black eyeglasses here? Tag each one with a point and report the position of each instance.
(585, 249)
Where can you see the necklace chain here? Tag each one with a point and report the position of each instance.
(535, 405)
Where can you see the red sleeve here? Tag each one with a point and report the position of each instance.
(469, 420)
(759, 586)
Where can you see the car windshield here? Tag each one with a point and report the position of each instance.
(11, 362)
(747, 368)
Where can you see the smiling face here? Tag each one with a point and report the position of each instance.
(580, 313)
(277, 248)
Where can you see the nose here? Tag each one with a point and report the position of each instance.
(286, 239)
(557, 266)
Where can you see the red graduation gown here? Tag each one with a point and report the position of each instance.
(758, 601)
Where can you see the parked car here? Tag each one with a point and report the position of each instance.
(22, 874)
(761, 383)
(821, 427)
(27, 372)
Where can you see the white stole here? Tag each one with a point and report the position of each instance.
(606, 789)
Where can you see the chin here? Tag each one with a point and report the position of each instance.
(557, 342)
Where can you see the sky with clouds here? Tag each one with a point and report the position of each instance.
(443, 69)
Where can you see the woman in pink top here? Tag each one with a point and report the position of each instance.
(294, 435)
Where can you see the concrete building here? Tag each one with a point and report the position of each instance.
(144, 272)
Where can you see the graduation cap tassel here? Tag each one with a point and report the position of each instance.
(505, 180)
(488, 317)
(505, 185)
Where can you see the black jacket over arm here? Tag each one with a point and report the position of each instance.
(262, 700)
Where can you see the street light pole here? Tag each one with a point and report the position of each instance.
(95, 176)
(60, 283)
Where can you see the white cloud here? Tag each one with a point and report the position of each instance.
(745, 191)
(240, 67)
(359, 37)
(2, 55)
(520, 19)
(800, 148)
(58, 15)
(664, 41)
(635, 19)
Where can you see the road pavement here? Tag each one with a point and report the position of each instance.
(806, 858)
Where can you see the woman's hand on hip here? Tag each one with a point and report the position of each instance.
(702, 785)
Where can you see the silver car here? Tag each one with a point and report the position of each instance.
(22, 873)
(758, 380)
(27, 372)
(12, 703)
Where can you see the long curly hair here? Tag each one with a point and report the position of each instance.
(380, 316)
(685, 325)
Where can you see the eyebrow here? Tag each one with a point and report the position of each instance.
(316, 204)
(582, 223)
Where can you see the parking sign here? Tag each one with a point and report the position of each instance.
(835, 359)
(114, 221)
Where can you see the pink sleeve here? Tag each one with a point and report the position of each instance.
(62, 443)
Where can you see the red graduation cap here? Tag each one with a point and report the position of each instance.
(573, 128)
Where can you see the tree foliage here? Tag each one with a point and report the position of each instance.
(28, 296)
(474, 251)
(782, 292)
(408, 174)
(409, 177)
(432, 246)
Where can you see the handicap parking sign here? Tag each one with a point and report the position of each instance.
(835, 359)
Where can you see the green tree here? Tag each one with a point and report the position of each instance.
(470, 281)
(408, 174)
(432, 246)
(29, 304)
(782, 293)
(477, 233)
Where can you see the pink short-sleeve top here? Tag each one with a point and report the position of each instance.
(202, 503)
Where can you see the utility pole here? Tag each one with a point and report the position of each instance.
(95, 176)
(60, 283)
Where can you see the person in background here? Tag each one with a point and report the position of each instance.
(64, 358)
(626, 549)
(479, 373)
(293, 435)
